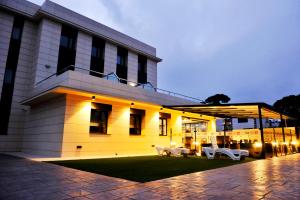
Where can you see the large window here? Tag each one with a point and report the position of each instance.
(122, 55)
(99, 118)
(67, 49)
(189, 125)
(142, 69)
(136, 117)
(97, 57)
(163, 123)
(10, 73)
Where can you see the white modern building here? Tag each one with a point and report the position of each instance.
(71, 86)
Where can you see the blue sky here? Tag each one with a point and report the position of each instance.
(249, 50)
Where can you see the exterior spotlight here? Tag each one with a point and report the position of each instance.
(132, 84)
(257, 144)
(93, 98)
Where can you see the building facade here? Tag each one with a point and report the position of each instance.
(71, 86)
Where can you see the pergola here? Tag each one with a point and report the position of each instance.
(237, 110)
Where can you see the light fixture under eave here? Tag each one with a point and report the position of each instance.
(93, 98)
(132, 84)
(132, 104)
(161, 108)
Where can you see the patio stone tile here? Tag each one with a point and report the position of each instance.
(276, 178)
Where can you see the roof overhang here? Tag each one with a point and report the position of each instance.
(234, 110)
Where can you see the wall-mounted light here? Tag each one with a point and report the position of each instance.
(161, 108)
(183, 112)
(132, 104)
(132, 84)
(93, 98)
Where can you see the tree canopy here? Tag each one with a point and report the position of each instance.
(289, 105)
(217, 99)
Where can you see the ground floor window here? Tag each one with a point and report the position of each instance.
(163, 126)
(136, 117)
(99, 118)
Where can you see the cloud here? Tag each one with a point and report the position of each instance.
(246, 49)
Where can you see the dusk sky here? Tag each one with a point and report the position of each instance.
(249, 50)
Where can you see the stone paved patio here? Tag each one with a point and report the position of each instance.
(277, 178)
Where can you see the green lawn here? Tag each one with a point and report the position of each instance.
(147, 168)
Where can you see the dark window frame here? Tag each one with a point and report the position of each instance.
(137, 129)
(97, 57)
(122, 64)
(67, 49)
(100, 112)
(10, 73)
(142, 69)
(161, 126)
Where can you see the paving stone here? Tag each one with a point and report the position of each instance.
(276, 178)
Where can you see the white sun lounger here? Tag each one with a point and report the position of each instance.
(234, 154)
(160, 150)
(173, 151)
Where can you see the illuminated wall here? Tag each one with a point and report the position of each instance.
(118, 142)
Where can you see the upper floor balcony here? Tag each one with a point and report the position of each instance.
(72, 79)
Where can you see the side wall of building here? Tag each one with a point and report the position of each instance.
(44, 128)
(13, 139)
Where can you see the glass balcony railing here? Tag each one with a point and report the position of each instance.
(113, 77)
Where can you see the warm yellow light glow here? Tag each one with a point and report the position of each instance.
(274, 143)
(258, 144)
(284, 143)
(196, 143)
(294, 143)
(173, 143)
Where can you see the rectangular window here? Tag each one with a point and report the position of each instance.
(242, 120)
(67, 49)
(142, 69)
(163, 126)
(10, 74)
(135, 124)
(99, 118)
(122, 56)
(163, 123)
(97, 57)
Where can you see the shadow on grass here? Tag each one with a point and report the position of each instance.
(148, 168)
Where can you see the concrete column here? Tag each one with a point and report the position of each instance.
(152, 72)
(47, 49)
(83, 52)
(132, 67)
(110, 58)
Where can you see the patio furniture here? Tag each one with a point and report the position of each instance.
(172, 151)
(160, 150)
(234, 154)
